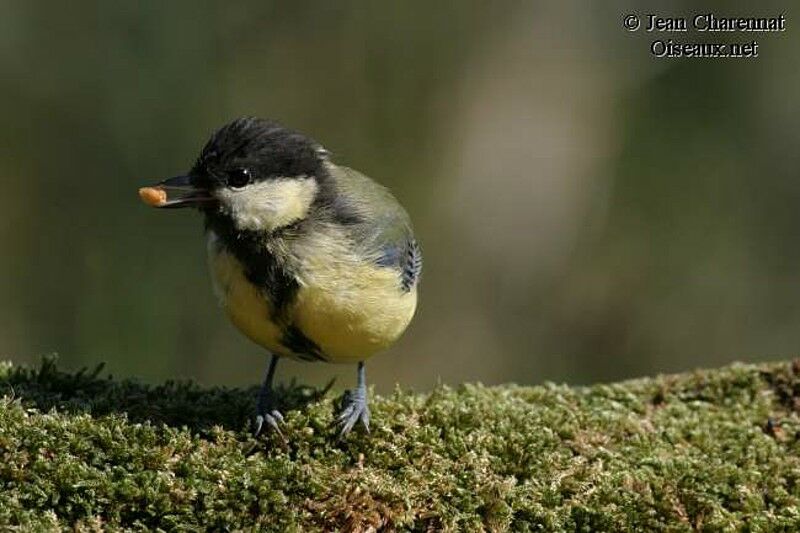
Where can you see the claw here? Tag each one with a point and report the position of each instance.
(273, 420)
(346, 412)
(347, 427)
(365, 420)
(354, 410)
(259, 424)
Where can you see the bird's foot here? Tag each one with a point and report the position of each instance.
(267, 415)
(266, 405)
(270, 420)
(354, 409)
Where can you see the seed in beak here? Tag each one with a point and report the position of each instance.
(153, 196)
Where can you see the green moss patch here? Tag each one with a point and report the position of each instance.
(713, 450)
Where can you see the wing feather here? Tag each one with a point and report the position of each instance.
(382, 229)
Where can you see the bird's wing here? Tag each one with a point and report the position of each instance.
(382, 228)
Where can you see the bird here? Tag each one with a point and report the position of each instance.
(309, 259)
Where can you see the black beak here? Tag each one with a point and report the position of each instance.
(180, 192)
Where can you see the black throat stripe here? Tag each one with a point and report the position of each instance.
(267, 271)
(262, 268)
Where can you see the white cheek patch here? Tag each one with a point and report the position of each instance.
(269, 204)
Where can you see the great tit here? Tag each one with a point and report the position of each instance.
(309, 259)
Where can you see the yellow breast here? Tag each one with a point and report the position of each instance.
(244, 304)
(349, 307)
(359, 312)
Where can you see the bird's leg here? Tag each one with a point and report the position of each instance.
(354, 405)
(265, 407)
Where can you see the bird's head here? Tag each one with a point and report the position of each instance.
(255, 173)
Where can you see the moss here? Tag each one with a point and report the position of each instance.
(713, 450)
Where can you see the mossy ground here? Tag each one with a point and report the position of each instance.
(712, 450)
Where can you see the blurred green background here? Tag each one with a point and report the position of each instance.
(587, 212)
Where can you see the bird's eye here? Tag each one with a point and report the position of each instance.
(238, 178)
